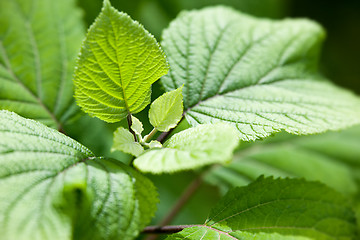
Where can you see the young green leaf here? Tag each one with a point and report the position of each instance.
(166, 111)
(277, 209)
(334, 155)
(192, 148)
(136, 125)
(52, 187)
(118, 62)
(124, 141)
(259, 75)
(39, 41)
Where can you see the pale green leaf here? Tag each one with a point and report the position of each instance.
(259, 75)
(118, 62)
(51, 187)
(192, 148)
(136, 125)
(124, 141)
(278, 209)
(39, 41)
(332, 158)
(166, 111)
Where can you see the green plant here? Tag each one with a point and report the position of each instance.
(232, 78)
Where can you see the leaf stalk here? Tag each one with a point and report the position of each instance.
(185, 197)
(148, 137)
(129, 121)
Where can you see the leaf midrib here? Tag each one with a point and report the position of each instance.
(119, 66)
(270, 202)
(219, 231)
(163, 118)
(212, 53)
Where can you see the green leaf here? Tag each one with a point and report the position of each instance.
(191, 148)
(136, 125)
(291, 208)
(52, 187)
(166, 111)
(118, 62)
(259, 75)
(124, 141)
(334, 155)
(203, 232)
(39, 41)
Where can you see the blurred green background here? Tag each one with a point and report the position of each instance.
(340, 62)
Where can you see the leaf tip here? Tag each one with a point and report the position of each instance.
(106, 3)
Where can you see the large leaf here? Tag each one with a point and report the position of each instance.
(51, 187)
(295, 209)
(332, 158)
(204, 232)
(192, 148)
(118, 62)
(39, 40)
(259, 75)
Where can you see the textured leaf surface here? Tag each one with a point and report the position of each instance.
(259, 75)
(293, 208)
(51, 187)
(203, 232)
(332, 158)
(192, 148)
(166, 111)
(39, 40)
(124, 141)
(119, 61)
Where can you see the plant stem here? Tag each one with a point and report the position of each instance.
(166, 229)
(164, 135)
(185, 197)
(61, 129)
(129, 121)
(150, 135)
